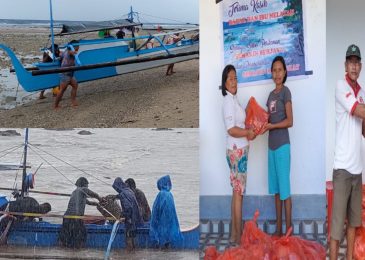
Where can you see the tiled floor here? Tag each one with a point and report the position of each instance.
(216, 233)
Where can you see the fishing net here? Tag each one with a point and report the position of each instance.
(256, 117)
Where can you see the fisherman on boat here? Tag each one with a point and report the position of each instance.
(73, 231)
(141, 199)
(28, 205)
(131, 211)
(165, 229)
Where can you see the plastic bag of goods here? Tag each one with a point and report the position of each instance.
(256, 117)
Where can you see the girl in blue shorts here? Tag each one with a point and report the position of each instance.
(280, 119)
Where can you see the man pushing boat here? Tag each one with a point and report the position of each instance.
(67, 78)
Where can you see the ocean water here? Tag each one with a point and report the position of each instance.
(142, 154)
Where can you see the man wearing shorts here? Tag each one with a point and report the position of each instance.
(67, 78)
(347, 177)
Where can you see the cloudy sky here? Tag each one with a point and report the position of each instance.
(98, 10)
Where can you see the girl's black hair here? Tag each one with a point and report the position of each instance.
(225, 72)
(281, 59)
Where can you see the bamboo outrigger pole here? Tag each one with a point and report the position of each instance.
(112, 64)
(41, 192)
(38, 215)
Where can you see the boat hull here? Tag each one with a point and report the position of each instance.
(95, 52)
(45, 234)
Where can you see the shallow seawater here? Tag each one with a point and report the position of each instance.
(11, 93)
(143, 154)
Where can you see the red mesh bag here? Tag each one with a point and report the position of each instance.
(256, 117)
(211, 253)
(236, 253)
(312, 250)
(287, 247)
(359, 247)
(255, 239)
(363, 197)
(329, 196)
(290, 247)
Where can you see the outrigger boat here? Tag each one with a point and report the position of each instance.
(107, 57)
(45, 234)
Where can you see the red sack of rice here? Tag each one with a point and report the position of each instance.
(256, 116)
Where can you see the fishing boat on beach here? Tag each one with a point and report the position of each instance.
(108, 56)
(30, 233)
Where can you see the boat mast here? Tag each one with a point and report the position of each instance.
(51, 25)
(25, 161)
(130, 18)
(130, 15)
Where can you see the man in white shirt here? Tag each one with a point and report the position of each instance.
(347, 169)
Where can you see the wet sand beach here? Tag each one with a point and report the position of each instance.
(141, 99)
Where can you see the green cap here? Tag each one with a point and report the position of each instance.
(353, 50)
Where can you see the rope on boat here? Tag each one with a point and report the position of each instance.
(88, 174)
(36, 215)
(14, 148)
(31, 147)
(112, 236)
(5, 232)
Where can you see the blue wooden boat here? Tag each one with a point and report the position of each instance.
(46, 234)
(106, 57)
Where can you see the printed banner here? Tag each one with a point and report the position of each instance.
(256, 31)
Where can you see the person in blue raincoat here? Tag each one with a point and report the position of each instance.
(164, 229)
(130, 211)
